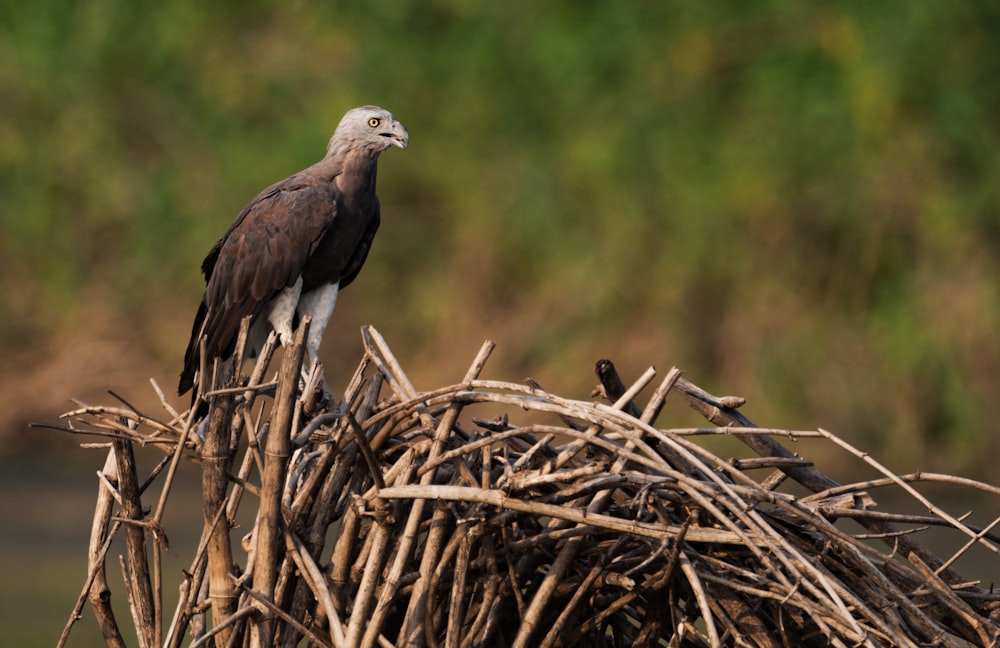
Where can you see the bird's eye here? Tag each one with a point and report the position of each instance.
(374, 122)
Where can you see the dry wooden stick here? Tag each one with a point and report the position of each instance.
(624, 401)
(96, 588)
(781, 555)
(315, 507)
(365, 597)
(216, 460)
(413, 618)
(500, 500)
(614, 388)
(910, 477)
(268, 535)
(700, 597)
(456, 613)
(554, 634)
(983, 533)
(228, 625)
(987, 635)
(139, 588)
(867, 458)
(317, 584)
(192, 588)
(809, 477)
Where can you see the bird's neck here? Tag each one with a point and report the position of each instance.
(357, 175)
(353, 173)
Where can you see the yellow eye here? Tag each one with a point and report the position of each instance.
(374, 121)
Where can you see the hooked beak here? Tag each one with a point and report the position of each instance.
(398, 136)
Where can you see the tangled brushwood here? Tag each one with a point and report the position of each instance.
(491, 513)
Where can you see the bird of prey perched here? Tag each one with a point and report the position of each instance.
(295, 245)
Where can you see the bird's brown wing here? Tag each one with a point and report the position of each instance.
(262, 252)
(361, 248)
(342, 251)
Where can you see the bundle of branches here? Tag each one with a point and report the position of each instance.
(401, 518)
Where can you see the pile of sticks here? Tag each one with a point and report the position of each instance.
(403, 518)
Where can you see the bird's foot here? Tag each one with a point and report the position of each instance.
(319, 400)
(285, 336)
(316, 396)
(342, 408)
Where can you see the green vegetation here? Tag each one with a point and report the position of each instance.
(793, 202)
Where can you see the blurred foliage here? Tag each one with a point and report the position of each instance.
(796, 202)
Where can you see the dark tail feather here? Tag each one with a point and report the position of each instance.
(192, 356)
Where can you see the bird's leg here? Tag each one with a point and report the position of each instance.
(282, 311)
(318, 304)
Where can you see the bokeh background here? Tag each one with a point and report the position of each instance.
(793, 202)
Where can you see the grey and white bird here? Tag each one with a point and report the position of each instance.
(295, 246)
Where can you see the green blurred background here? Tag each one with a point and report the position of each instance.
(793, 202)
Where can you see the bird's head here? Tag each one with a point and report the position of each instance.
(369, 127)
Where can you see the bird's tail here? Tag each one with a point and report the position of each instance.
(192, 357)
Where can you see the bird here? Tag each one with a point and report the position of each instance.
(294, 247)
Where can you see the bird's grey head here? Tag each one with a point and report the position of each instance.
(371, 128)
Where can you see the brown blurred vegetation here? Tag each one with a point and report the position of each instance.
(793, 202)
